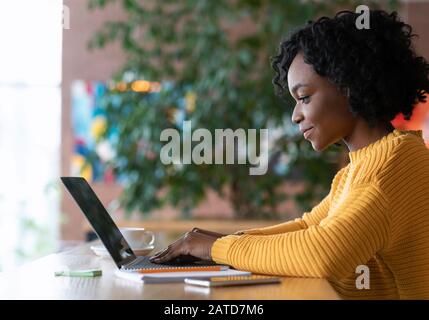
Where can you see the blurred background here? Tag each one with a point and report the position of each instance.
(87, 86)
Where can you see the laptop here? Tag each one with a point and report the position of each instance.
(109, 233)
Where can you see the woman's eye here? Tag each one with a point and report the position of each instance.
(304, 99)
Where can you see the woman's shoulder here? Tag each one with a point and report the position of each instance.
(409, 156)
(408, 147)
(402, 150)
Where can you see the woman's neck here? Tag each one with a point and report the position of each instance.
(362, 135)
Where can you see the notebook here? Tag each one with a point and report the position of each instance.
(144, 265)
(165, 277)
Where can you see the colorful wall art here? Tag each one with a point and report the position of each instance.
(91, 152)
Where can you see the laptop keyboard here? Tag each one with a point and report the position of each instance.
(144, 263)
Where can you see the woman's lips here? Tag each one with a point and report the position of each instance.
(307, 132)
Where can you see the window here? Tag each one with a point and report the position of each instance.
(30, 120)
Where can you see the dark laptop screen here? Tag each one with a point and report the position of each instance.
(100, 220)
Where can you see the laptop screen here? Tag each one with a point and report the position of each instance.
(100, 220)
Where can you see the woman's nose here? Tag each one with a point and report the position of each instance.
(296, 115)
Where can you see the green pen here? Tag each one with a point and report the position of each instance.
(79, 273)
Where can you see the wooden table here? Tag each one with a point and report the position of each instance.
(36, 280)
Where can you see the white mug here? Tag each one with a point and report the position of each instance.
(138, 237)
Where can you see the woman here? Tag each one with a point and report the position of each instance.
(348, 85)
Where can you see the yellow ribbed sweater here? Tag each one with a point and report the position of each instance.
(376, 214)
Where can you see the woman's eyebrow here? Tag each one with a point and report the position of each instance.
(297, 86)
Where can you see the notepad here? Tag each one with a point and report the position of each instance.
(144, 265)
(182, 269)
(165, 277)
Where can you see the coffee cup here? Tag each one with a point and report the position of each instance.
(138, 238)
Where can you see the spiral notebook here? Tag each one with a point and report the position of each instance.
(143, 265)
(165, 277)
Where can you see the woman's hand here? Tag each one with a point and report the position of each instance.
(210, 233)
(193, 245)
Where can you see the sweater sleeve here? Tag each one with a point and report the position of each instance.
(317, 214)
(352, 233)
(313, 217)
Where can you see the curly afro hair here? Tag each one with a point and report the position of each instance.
(376, 68)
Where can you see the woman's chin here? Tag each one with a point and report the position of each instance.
(317, 146)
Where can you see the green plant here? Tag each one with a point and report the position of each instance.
(196, 48)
